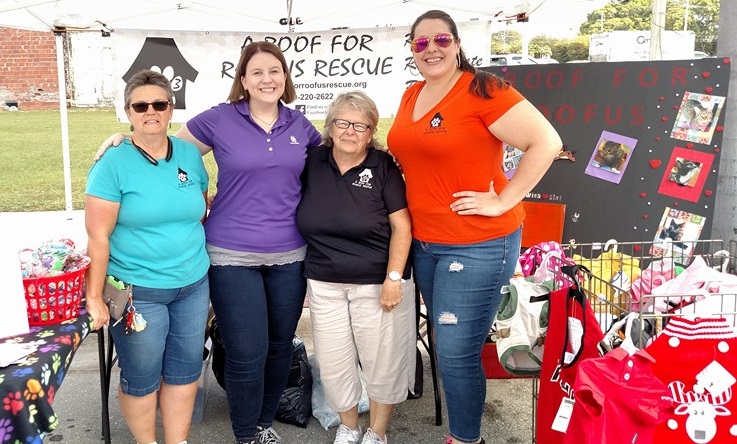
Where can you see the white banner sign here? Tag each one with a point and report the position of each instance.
(201, 65)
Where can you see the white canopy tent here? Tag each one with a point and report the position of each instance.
(234, 15)
(60, 16)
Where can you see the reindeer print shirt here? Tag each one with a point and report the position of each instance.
(697, 360)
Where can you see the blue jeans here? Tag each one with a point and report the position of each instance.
(171, 345)
(460, 285)
(257, 309)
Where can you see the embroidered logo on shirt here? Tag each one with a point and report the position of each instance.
(184, 179)
(293, 140)
(436, 124)
(364, 179)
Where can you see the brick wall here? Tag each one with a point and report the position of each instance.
(28, 71)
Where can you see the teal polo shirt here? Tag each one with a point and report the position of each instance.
(158, 241)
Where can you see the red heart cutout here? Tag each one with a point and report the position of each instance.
(716, 150)
(664, 118)
(708, 192)
(657, 138)
(719, 128)
(661, 98)
(644, 216)
(545, 196)
(725, 61)
(706, 75)
(643, 194)
(675, 204)
(675, 107)
(689, 145)
(638, 248)
(655, 163)
(708, 89)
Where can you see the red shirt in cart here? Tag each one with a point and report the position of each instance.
(618, 400)
(573, 333)
(697, 359)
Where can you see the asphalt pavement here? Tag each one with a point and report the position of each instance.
(507, 415)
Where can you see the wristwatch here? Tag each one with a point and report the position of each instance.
(395, 276)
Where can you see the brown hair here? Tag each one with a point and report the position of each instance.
(147, 77)
(238, 92)
(482, 80)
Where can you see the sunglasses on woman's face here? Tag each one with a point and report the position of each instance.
(441, 40)
(142, 107)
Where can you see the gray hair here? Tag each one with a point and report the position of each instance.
(352, 100)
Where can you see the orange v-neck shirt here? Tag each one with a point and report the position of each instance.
(450, 149)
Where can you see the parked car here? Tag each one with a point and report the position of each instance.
(512, 59)
(700, 54)
(518, 59)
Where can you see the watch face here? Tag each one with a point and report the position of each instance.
(395, 275)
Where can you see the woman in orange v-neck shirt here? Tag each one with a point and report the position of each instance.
(466, 215)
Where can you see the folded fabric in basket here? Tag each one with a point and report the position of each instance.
(698, 278)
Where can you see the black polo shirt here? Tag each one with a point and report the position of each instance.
(345, 219)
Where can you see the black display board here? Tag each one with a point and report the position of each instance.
(646, 136)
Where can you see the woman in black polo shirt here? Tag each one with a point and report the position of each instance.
(354, 217)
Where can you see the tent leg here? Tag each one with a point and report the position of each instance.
(60, 64)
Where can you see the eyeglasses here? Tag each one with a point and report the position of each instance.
(441, 40)
(357, 126)
(142, 107)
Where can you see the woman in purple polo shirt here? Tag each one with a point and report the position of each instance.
(256, 253)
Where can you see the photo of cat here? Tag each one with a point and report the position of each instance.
(512, 157)
(677, 235)
(685, 172)
(697, 117)
(610, 156)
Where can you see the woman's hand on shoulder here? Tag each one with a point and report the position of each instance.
(114, 140)
(480, 203)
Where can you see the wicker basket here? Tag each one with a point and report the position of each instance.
(52, 299)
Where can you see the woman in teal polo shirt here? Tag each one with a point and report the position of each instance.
(145, 203)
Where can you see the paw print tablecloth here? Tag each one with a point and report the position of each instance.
(28, 388)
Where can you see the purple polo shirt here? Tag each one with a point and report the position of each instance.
(258, 181)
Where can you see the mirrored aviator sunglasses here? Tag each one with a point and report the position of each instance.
(441, 40)
(142, 107)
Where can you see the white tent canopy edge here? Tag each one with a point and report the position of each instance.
(291, 16)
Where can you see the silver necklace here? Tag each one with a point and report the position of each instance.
(265, 122)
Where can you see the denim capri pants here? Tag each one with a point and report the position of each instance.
(171, 345)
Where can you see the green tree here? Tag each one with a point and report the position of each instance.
(542, 46)
(506, 42)
(635, 15)
(576, 48)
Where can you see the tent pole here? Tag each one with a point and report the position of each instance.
(60, 63)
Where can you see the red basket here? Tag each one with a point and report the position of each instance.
(52, 299)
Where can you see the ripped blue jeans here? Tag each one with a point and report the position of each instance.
(460, 285)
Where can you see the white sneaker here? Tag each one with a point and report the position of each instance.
(268, 436)
(345, 435)
(372, 437)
